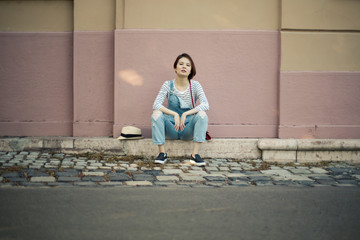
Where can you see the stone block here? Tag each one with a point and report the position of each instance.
(43, 179)
(85, 184)
(167, 178)
(94, 174)
(111, 184)
(143, 177)
(172, 171)
(119, 177)
(278, 156)
(187, 177)
(138, 183)
(224, 148)
(317, 156)
(278, 144)
(58, 143)
(98, 144)
(328, 144)
(277, 172)
(69, 179)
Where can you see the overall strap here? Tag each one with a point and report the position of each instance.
(171, 87)
(192, 100)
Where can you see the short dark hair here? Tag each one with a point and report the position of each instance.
(193, 69)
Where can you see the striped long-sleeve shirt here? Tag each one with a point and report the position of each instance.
(197, 92)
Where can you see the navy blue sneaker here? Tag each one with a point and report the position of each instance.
(161, 159)
(197, 160)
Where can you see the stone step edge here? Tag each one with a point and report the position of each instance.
(310, 150)
(280, 150)
(216, 148)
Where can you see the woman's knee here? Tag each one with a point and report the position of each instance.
(202, 115)
(156, 115)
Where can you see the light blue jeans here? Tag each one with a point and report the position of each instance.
(163, 127)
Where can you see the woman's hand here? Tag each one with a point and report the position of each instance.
(177, 122)
(182, 121)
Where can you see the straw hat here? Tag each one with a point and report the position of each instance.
(130, 133)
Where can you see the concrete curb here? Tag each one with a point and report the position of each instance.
(271, 150)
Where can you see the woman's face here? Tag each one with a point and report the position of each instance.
(183, 67)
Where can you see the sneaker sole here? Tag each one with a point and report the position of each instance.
(197, 164)
(160, 162)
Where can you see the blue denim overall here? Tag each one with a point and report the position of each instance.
(163, 124)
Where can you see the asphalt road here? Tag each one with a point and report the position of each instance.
(180, 213)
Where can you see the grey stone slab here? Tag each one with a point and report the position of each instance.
(321, 177)
(318, 170)
(59, 184)
(35, 173)
(32, 184)
(338, 170)
(93, 179)
(216, 184)
(35, 167)
(154, 172)
(347, 181)
(239, 183)
(215, 178)
(326, 181)
(111, 184)
(11, 175)
(186, 177)
(165, 184)
(143, 177)
(343, 177)
(95, 174)
(69, 179)
(17, 179)
(260, 178)
(167, 178)
(264, 183)
(85, 184)
(119, 177)
(67, 174)
(284, 183)
(299, 171)
(138, 183)
(7, 165)
(43, 179)
(172, 171)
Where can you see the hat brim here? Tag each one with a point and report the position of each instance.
(129, 138)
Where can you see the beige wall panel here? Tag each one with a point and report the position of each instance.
(310, 51)
(203, 14)
(94, 15)
(36, 16)
(321, 14)
(120, 10)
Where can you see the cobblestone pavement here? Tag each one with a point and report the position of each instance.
(31, 169)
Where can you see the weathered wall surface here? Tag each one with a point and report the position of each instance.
(320, 69)
(270, 68)
(36, 48)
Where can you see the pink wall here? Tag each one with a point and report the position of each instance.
(36, 84)
(237, 69)
(319, 105)
(109, 80)
(93, 83)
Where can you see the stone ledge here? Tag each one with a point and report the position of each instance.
(309, 144)
(310, 150)
(272, 150)
(216, 148)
